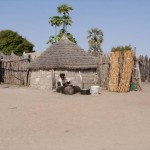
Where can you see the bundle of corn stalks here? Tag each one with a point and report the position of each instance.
(121, 66)
(124, 85)
(114, 72)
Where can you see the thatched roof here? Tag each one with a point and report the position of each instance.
(64, 54)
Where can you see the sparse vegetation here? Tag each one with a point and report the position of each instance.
(121, 48)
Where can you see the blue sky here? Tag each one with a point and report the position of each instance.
(123, 22)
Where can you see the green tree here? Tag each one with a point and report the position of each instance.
(52, 39)
(67, 34)
(11, 41)
(95, 39)
(65, 21)
(55, 21)
(64, 9)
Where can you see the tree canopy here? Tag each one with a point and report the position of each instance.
(63, 21)
(11, 41)
(95, 39)
(64, 9)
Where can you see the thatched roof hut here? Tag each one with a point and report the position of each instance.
(63, 56)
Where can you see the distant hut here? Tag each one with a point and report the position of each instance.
(63, 57)
(32, 56)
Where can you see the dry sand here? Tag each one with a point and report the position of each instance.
(41, 120)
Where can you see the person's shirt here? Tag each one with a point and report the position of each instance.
(64, 81)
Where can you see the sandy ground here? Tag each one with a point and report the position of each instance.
(41, 120)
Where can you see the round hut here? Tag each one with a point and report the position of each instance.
(66, 57)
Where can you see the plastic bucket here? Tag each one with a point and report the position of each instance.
(94, 90)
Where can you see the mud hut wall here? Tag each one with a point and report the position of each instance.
(42, 79)
(89, 77)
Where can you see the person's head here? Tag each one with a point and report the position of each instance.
(62, 75)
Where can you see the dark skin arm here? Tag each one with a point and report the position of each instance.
(65, 84)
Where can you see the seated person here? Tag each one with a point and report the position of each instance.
(64, 86)
(62, 83)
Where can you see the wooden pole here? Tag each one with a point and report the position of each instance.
(139, 74)
(53, 79)
(81, 80)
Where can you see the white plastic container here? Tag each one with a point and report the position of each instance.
(94, 90)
